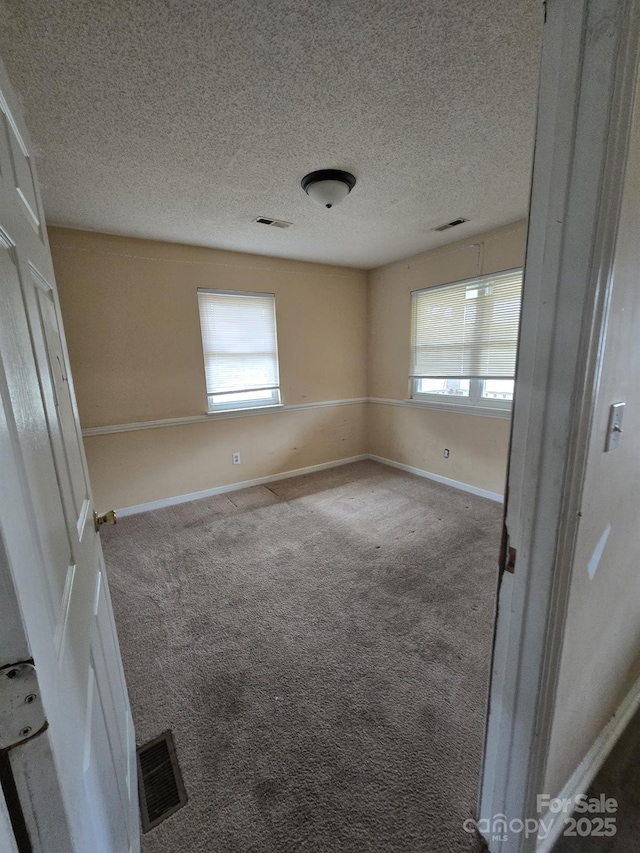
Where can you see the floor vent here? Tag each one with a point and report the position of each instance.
(160, 783)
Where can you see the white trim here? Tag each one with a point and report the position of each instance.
(235, 487)
(438, 478)
(213, 416)
(589, 62)
(459, 408)
(586, 771)
(244, 404)
(298, 472)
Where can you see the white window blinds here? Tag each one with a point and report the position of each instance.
(467, 330)
(240, 348)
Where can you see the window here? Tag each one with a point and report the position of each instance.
(240, 349)
(464, 339)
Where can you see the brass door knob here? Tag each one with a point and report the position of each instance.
(108, 517)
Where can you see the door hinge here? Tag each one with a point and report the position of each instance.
(21, 708)
(507, 557)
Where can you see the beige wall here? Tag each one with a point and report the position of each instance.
(131, 319)
(418, 436)
(130, 468)
(601, 646)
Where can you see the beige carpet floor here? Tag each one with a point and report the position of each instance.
(320, 649)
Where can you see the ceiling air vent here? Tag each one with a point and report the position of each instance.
(451, 224)
(276, 223)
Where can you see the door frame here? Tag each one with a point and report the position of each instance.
(590, 58)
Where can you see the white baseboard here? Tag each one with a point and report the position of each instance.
(586, 771)
(447, 481)
(298, 472)
(234, 487)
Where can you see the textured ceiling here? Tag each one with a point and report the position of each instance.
(184, 120)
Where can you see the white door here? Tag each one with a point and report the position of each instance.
(75, 775)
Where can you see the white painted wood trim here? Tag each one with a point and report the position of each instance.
(298, 472)
(234, 487)
(458, 408)
(589, 62)
(586, 771)
(438, 478)
(215, 416)
(296, 407)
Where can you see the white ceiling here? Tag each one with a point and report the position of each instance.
(184, 119)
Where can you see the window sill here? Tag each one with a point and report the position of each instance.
(462, 408)
(245, 410)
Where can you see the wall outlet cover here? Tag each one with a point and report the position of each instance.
(235, 458)
(446, 453)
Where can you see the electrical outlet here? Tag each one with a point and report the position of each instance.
(235, 458)
(446, 453)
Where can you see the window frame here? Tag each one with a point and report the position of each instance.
(273, 396)
(474, 402)
(474, 399)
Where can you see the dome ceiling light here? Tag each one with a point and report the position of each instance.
(328, 187)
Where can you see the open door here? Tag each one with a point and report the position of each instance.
(67, 740)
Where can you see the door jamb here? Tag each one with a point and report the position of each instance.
(587, 86)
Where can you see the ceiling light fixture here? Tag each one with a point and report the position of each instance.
(328, 187)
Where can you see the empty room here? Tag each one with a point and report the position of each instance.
(311, 641)
(307, 474)
(277, 359)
